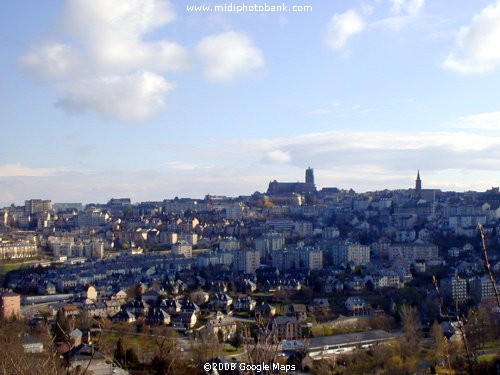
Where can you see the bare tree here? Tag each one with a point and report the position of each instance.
(261, 345)
(14, 358)
(460, 326)
(412, 329)
(204, 349)
(488, 264)
(168, 349)
(442, 346)
(480, 327)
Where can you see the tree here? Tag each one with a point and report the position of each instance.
(204, 349)
(62, 327)
(167, 355)
(412, 330)
(15, 361)
(232, 287)
(84, 321)
(479, 328)
(263, 345)
(441, 344)
(238, 339)
(488, 264)
(220, 336)
(131, 356)
(324, 367)
(381, 322)
(120, 353)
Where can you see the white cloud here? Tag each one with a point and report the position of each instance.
(183, 166)
(342, 26)
(394, 152)
(393, 23)
(228, 56)
(476, 48)
(113, 33)
(18, 170)
(52, 60)
(401, 14)
(133, 97)
(488, 121)
(123, 19)
(410, 7)
(106, 48)
(278, 156)
(459, 160)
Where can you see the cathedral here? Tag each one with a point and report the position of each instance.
(288, 188)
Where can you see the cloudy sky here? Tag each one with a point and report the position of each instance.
(148, 100)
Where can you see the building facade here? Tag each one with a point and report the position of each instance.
(10, 305)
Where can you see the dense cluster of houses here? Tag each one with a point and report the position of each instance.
(214, 254)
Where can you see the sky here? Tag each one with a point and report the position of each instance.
(151, 99)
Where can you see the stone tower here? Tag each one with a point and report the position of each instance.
(418, 183)
(310, 176)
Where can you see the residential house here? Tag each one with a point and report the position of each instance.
(123, 316)
(184, 321)
(221, 326)
(221, 301)
(70, 310)
(265, 310)
(172, 306)
(244, 304)
(319, 305)
(298, 310)
(356, 306)
(157, 316)
(152, 297)
(332, 284)
(190, 306)
(120, 295)
(138, 307)
(286, 328)
(32, 344)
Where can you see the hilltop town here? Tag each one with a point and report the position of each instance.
(325, 280)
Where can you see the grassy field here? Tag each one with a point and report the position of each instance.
(144, 345)
(492, 345)
(488, 358)
(6, 268)
(231, 350)
(444, 371)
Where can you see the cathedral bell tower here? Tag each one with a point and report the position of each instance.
(310, 176)
(418, 183)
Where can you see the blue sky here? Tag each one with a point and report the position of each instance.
(143, 99)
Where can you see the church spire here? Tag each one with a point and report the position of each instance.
(418, 183)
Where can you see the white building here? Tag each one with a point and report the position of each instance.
(345, 252)
(269, 242)
(183, 248)
(229, 243)
(298, 257)
(413, 251)
(246, 260)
